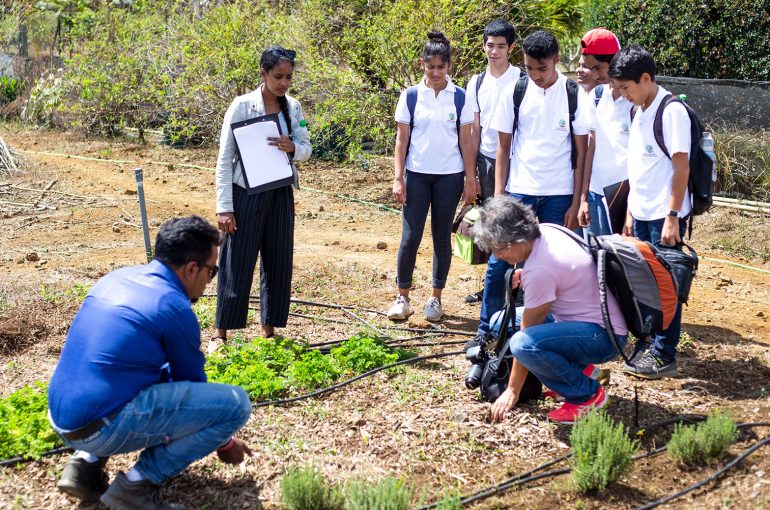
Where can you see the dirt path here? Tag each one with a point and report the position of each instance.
(422, 424)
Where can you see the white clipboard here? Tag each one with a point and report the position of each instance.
(264, 166)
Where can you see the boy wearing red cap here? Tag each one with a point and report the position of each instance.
(606, 161)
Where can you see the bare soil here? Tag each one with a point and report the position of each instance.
(421, 424)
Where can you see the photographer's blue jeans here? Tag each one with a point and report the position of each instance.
(600, 223)
(174, 424)
(557, 353)
(440, 194)
(664, 342)
(550, 209)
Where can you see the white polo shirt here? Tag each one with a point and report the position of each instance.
(434, 147)
(541, 160)
(489, 93)
(611, 125)
(650, 172)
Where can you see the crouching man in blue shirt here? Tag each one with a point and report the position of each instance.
(136, 329)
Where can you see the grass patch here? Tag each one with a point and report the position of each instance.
(709, 440)
(387, 494)
(744, 163)
(24, 418)
(306, 489)
(206, 311)
(603, 452)
(272, 368)
(56, 295)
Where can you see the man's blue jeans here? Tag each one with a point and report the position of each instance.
(663, 343)
(557, 353)
(174, 424)
(550, 209)
(600, 223)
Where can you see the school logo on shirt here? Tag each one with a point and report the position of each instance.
(451, 116)
(649, 152)
(624, 130)
(562, 125)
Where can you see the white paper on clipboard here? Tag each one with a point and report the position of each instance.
(262, 163)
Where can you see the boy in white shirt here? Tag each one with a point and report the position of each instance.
(536, 164)
(482, 94)
(608, 140)
(658, 201)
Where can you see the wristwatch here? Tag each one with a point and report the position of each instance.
(673, 213)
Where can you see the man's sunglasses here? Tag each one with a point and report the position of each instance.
(213, 270)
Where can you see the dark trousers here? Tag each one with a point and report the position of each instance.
(663, 342)
(440, 193)
(265, 224)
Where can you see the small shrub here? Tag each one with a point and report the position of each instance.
(313, 370)
(709, 440)
(449, 503)
(387, 494)
(602, 452)
(45, 100)
(362, 353)
(9, 89)
(306, 489)
(268, 368)
(25, 429)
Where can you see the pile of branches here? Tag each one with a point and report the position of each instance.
(9, 160)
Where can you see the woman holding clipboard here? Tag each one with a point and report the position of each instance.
(258, 223)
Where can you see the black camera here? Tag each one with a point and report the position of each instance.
(479, 357)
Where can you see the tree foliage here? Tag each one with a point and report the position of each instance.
(715, 39)
(166, 62)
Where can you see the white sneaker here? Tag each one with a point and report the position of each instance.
(400, 309)
(433, 310)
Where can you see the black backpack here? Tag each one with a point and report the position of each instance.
(494, 378)
(700, 183)
(572, 101)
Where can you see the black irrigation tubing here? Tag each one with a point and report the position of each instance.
(21, 459)
(432, 330)
(529, 476)
(737, 460)
(339, 385)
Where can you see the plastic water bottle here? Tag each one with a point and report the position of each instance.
(707, 144)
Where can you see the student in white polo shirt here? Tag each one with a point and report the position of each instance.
(658, 200)
(434, 167)
(483, 91)
(608, 140)
(539, 171)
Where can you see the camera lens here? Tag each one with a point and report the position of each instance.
(473, 377)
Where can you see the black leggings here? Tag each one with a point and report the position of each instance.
(440, 193)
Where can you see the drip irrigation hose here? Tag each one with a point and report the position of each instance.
(21, 459)
(529, 476)
(339, 385)
(737, 460)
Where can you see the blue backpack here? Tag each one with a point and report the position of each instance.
(411, 104)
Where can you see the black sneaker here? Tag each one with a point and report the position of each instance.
(141, 495)
(640, 348)
(83, 480)
(476, 297)
(651, 366)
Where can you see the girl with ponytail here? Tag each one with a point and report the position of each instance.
(262, 223)
(435, 165)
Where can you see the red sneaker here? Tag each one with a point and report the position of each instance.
(592, 371)
(568, 413)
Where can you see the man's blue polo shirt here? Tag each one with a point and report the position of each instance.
(133, 321)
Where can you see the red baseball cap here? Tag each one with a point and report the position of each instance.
(599, 41)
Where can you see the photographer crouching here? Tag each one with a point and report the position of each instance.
(561, 331)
